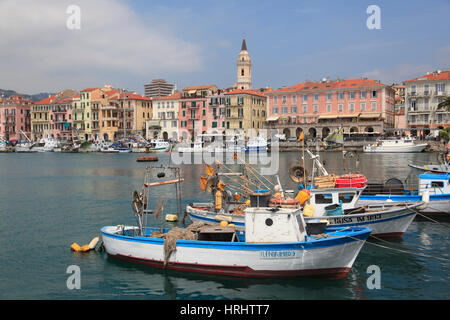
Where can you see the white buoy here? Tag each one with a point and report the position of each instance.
(426, 196)
(93, 243)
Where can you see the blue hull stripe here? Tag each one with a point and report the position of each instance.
(404, 197)
(340, 239)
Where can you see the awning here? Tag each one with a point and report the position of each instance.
(349, 115)
(275, 118)
(284, 118)
(328, 116)
(369, 115)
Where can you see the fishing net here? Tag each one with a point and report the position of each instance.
(176, 233)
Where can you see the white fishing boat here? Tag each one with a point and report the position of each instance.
(275, 244)
(196, 146)
(257, 144)
(443, 167)
(433, 189)
(399, 145)
(158, 145)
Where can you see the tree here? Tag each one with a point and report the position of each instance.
(444, 134)
(444, 105)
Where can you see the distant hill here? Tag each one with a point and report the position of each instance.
(34, 97)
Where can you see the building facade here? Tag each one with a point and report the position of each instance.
(193, 113)
(165, 118)
(245, 109)
(422, 96)
(15, 117)
(317, 108)
(158, 88)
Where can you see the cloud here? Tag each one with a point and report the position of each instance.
(40, 53)
(399, 73)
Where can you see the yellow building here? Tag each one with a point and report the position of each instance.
(245, 109)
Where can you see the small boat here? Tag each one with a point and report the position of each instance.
(3, 145)
(257, 144)
(147, 159)
(275, 243)
(399, 145)
(196, 146)
(443, 167)
(433, 189)
(158, 145)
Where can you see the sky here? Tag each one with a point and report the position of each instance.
(128, 43)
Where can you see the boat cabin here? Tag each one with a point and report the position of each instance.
(322, 198)
(434, 183)
(270, 225)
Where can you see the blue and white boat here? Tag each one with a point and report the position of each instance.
(433, 189)
(257, 144)
(276, 241)
(275, 244)
(387, 220)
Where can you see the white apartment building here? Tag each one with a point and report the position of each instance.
(165, 116)
(422, 96)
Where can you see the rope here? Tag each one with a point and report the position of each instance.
(417, 211)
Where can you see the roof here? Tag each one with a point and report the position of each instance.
(47, 100)
(88, 89)
(206, 86)
(429, 175)
(176, 95)
(131, 96)
(244, 45)
(241, 91)
(329, 85)
(437, 75)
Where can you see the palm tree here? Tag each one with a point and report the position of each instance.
(445, 105)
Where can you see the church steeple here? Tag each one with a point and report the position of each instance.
(244, 68)
(244, 45)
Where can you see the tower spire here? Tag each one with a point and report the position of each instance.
(244, 45)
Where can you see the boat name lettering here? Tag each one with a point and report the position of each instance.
(289, 254)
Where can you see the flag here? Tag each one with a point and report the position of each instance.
(209, 170)
(300, 138)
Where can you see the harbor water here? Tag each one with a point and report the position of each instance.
(50, 200)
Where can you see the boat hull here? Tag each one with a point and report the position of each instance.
(436, 168)
(437, 203)
(387, 223)
(396, 149)
(324, 257)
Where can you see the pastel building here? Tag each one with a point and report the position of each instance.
(165, 119)
(193, 115)
(245, 109)
(61, 118)
(42, 124)
(422, 96)
(316, 108)
(15, 117)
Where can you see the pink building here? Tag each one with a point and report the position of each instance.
(356, 105)
(15, 117)
(61, 118)
(194, 116)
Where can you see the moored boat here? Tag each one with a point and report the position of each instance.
(400, 145)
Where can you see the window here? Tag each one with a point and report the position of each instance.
(294, 109)
(242, 72)
(329, 96)
(294, 98)
(284, 99)
(316, 108)
(363, 106)
(305, 97)
(275, 110)
(214, 124)
(284, 109)
(351, 95)
(340, 107)
(305, 108)
(316, 97)
(437, 184)
(204, 123)
(426, 90)
(440, 88)
(341, 95)
(346, 197)
(324, 198)
(374, 106)
(374, 93)
(275, 99)
(426, 104)
(328, 107)
(352, 106)
(363, 95)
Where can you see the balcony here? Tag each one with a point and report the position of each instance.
(109, 107)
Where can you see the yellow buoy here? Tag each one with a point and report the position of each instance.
(231, 225)
(85, 248)
(75, 247)
(223, 223)
(171, 217)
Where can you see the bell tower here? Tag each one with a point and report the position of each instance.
(244, 68)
